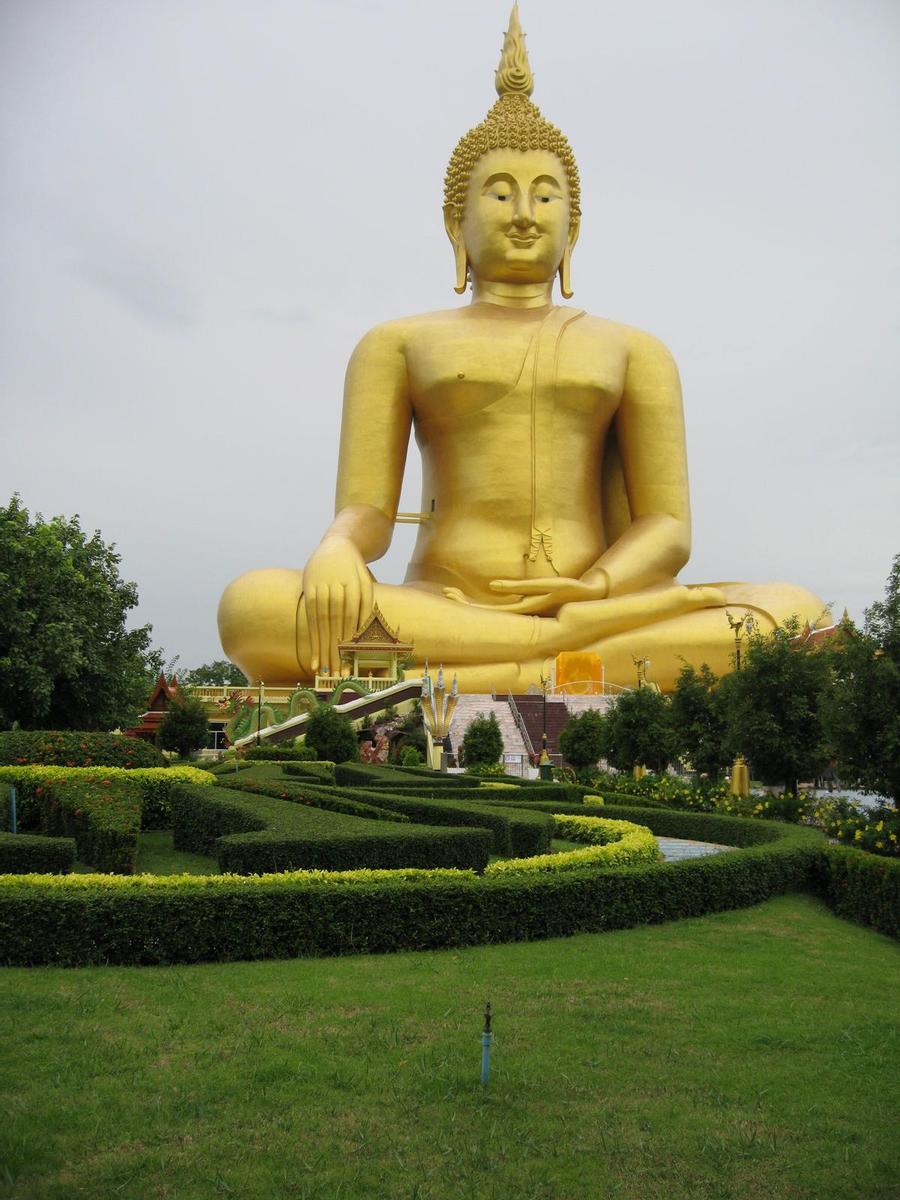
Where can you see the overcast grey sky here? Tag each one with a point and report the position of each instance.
(205, 203)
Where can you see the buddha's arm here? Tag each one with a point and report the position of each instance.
(337, 586)
(650, 433)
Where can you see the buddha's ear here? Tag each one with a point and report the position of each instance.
(453, 226)
(565, 267)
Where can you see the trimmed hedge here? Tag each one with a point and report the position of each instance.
(253, 835)
(516, 832)
(103, 816)
(323, 771)
(23, 853)
(861, 887)
(62, 748)
(313, 794)
(157, 785)
(278, 753)
(82, 919)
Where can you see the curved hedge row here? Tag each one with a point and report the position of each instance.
(82, 919)
(608, 844)
(258, 833)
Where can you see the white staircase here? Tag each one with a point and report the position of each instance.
(471, 706)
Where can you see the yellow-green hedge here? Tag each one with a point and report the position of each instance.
(608, 844)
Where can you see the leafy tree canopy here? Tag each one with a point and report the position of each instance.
(184, 727)
(638, 730)
(582, 740)
(773, 706)
(331, 735)
(219, 673)
(698, 720)
(861, 709)
(482, 742)
(66, 659)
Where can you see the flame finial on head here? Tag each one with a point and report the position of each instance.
(514, 72)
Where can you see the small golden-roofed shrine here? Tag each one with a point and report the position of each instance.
(375, 651)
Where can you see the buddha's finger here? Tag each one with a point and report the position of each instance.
(322, 600)
(351, 620)
(335, 625)
(312, 631)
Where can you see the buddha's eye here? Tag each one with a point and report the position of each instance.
(501, 195)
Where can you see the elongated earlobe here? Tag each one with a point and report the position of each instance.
(462, 267)
(565, 274)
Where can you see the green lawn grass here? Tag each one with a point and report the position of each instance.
(742, 1056)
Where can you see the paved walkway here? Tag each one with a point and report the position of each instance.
(675, 849)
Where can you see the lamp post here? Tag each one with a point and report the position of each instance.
(740, 774)
(545, 767)
(746, 623)
(259, 711)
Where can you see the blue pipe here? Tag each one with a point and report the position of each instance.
(486, 1039)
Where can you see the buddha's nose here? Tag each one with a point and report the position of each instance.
(523, 214)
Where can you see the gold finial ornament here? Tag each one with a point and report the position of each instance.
(514, 72)
(514, 123)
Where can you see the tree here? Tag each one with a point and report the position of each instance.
(218, 673)
(582, 742)
(331, 735)
(184, 727)
(638, 730)
(483, 742)
(66, 659)
(698, 721)
(861, 708)
(773, 706)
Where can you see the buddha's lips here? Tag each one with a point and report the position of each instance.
(518, 240)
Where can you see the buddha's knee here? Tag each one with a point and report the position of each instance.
(780, 601)
(258, 624)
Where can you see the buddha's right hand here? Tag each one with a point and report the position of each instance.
(338, 595)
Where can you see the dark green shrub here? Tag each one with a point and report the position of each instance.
(184, 727)
(581, 740)
(331, 735)
(55, 748)
(23, 853)
(482, 743)
(410, 756)
(252, 835)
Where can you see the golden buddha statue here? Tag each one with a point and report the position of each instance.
(555, 511)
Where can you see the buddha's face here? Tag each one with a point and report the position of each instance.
(516, 223)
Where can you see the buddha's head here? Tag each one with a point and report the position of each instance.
(511, 193)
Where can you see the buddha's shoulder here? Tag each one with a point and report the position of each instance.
(631, 339)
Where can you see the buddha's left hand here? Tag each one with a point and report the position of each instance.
(538, 596)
